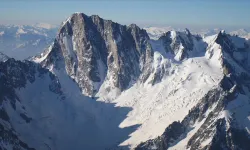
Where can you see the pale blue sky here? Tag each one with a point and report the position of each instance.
(176, 13)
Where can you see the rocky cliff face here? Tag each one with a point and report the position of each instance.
(95, 51)
(180, 44)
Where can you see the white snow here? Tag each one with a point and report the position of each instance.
(156, 32)
(155, 107)
(173, 34)
(43, 56)
(67, 40)
(20, 31)
(81, 119)
(182, 144)
(1, 33)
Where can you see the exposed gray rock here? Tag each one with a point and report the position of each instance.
(94, 50)
(179, 43)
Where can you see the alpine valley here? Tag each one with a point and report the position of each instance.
(105, 86)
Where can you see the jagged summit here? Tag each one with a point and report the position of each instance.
(182, 44)
(111, 52)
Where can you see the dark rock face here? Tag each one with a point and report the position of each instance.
(235, 48)
(94, 50)
(233, 138)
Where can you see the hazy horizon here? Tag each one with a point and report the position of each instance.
(178, 14)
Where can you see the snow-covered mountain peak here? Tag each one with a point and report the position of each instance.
(113, 55)
(222, 32)
(209, 124)
(182, 44)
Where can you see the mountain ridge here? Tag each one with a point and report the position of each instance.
(107, 48)
(114, 88)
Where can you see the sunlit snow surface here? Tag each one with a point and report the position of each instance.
(155, 107)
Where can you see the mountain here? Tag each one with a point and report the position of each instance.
(241, 33)
(114, 55)
(219, 120)
(72, 111)
(23, 41)
(156, 32)
(102, 85)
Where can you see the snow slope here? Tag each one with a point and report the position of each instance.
(221, 115)
(157, 106)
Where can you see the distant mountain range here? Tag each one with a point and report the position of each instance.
(23, 41)
(156, 32)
